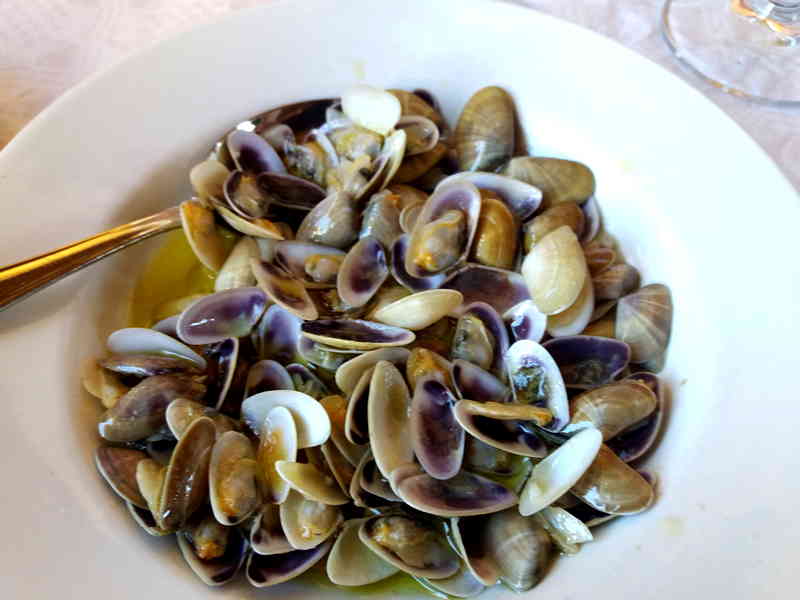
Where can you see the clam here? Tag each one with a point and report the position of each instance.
(363, 498)
(339, 466)
(599, 258)
(233, 489)
(352, 563)
(567, 213)
(408, 217)
(223, 361)
(372, 481)
(461, 585)
(495, 243)
(310, 160)
(635, 441)
(311, 420)
(419, 310)
(185, 486)
(348, 375)
(412, 103)
(323, 356)
(478, 384)
(587, 361)
(507, 411)
(337, 407)
(611, 486)
(371, 108)
(422, 134)
(311, 483)
(410, 545)
(560, 180)
(268, 570)
(356, 427)
(436, 437)
(520, 198)
(499, 288)
(381, 218)
(306, 522)
(644, 321)
(555, 271)
(463, 495)
(612, 408)
(444, 230)
(245, 197)
(558, 473)
(615, 281)
(144, 519)
(227, 314)
(139, 340)
(362, 272)
(278, 440)
(235, 271)
(266, 534)
(481, 337)
(575, 319)
(388, 418)
(252, 153)
(591, 212)
(227, 547)
(535, 379)
(267, 375)
(526, 322)
(140, 412)
(566, 530)
(277, 334)
(290, 191)
(102, 384)
(469, 536)
(424, 363)
(118, 468)
(255, 227)
(315, 265)
(150, 482)
(333, 222)
(397, 267)
(507, 434)
(603, 327)
(414, 167)
(147, 365)
(284, 289)
(208, 177)
(202, 234)
(181, 413)
(305, 381)
(520, 548)
(356, 334)
(351, 141)
(484, 134)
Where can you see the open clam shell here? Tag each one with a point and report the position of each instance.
(498, 288)
(316, 265)
(208, 177)
(463, 495)
(102, 383)
(490, 329)
(575, 319)
(265, 376)
(611, 486)
(484, 134)
(268, 570)
(588, 361)
(181, 413)
(147, 365)
(525, 321)
(252, 153)
(356, 334)
(410, 545)
(567, 213)
(509, 435)
(644, 321)
(290, 191)
(356, 425)
(218, 570)
(388, 418)
(364, 498)
(475, 383)
(278, 440)
(266, 534)
(333, 222)
(612, 408)
(566, 530)
(233, 489)
(118, 468)
(284, 289)
(144, 519)
(348, 375)
(139, 340)
(437, 439)
(427, 364)
(633, 443)
(352, 563)
(521, 198)
(222, 364)
(306, 522)
(469, 535)
(397, 267)
(381, 218)
(560, 180)
(202, 234)
(362, 272)
(244, 196)
(311, 482)
(419, 310)
(310, 418)
(277, 335)
(461, 585)
(422, 134)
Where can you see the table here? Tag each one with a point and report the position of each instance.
(47, 46)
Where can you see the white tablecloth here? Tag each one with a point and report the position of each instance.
(46, 46)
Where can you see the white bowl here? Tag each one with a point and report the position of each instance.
(695, 203)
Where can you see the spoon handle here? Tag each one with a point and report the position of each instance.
(26, 277)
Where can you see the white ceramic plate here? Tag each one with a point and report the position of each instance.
(694, 201)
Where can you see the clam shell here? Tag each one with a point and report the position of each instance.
(644, 321)
(185, 486)
(305, 381)
(477, 384)
(612, 408)
(372, 108)
(469, 534)
(283, 289)
(311, 483)
(422, 134)
(145, 520)
(311, 420)
(499, 288)
(493, 323)
(507, 411)
(255, 227)
(118, 468)
(575, 319)
(268, 570)
(560, 180)
(348, 375)
(306, 522)
(102, 384)
(412, 103)
(521, 198)
(147, 365)
(525, 321)
(632, 444)
(519, 547)
(265, 376)
(362, 272)
(508, 435)
(428, 256)
(290, 191)
(427, 364)
(227, 314)
(611, 486)
(181, 413)
(566, 530)
(219, 570)
(568, 214)
(252, 153)
(266, 534)
(236, 271)
(356, 334)
(436, 437)
(416, 166)
(361, 497)
(202, 234)
(588, 361)
(381, 218)
(244, 196)
(464, 495)
(555, 475)
(277, 335)
(409, 216)
(352, 563)
(339, 466)
(388, 419)
(323, 356)
(555, 271)
(372, 481)
(333, 222)
(419, 310)
(410, 545)
(208, 177)
(615, 281)
(495, 243)
(356, 426)
(314, 264)
(591, 212)
(139, 340)
(461, 585)
(233, 489)
(223, 360)
(397, 267)
(150, 482)
(484, 134)
(599, 258)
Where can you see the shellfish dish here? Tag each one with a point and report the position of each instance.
(410, 349)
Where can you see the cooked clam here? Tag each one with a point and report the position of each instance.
(232, 482)
(268, 570)
(228, 314)
(118, 468)
(560, 180)
(484, 135)
(612, 408)
(352, 563)
(644, 321)
(310, 419)
(588, 361)
(419, 310)
(388, 418)
(306, 522)
(463, 495)
(215, 553)
(615, 281)
(495, 243)
(356, 334)
(362, 272)
(611, 486)
(202, 234)
(567, 213)
(284, 289)
(437, 439)
(499, 288)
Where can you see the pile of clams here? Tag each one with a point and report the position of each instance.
(423, 356)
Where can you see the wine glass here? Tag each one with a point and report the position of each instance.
(749, 48)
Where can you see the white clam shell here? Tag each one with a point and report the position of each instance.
(388, 418)
(351, 563)
(312, 422)
(307, 523)
(575, 319)
(277, 441)
(419, 310)
(349, 373)
(140, 340)
(372, 108)
(311, 482)
(233, 490)
(566, 530)
(555, 475)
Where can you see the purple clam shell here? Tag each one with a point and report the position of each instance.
(511, 436)
(277, 335)
(474, 383)
(305, 381)
(292, 255)
(290, 191)
(373, 482)
(591, 214)
(147, 365)
(222, 359)
(252, 153)
(357, 330)
(398, 269)
(588, 361)
(521, 198)
(231, 313)
(168, 326)
(363, 271)
(634, 443)
(526, 322)
(265, 376)
(436, 436)
(466, 494)
(494, 324)
(220, 570)
(239, 191)
(265, 570)
(499, 288)
(357, 422)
